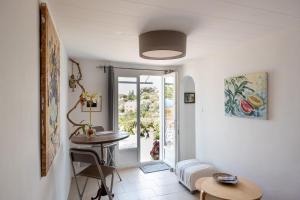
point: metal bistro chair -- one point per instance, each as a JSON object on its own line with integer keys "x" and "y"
{"x": 109, "y": 149}
{"x": 94, "y": 170}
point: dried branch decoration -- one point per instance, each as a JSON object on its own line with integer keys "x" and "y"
{"x": 80, "y": 126}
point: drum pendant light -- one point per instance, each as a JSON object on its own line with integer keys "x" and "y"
{"x": 162, "y": 45}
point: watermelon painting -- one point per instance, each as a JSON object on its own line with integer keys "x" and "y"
{"x": 246, "y": 96}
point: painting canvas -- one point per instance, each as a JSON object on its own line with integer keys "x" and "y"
{"x": 246, "y": 96}
{"x": 49, "y": 86}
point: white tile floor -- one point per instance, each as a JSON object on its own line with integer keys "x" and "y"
{"x": 139, "y": 186}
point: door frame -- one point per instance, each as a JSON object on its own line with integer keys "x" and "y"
{"x": 136, "y": 74}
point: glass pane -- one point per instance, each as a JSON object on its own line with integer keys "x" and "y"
{"x": 150, "y": 90}
{"x": 127, "y": 111}
{"x": 169, "y": 112}
{"x": 127, "y": 79}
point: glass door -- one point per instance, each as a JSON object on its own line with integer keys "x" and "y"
{"x": 169, "y": 119}
{"x": 147, "y": 111}
{"x": 128, "y": 118}
{"x": 150, "y": 117}
{"x": 139, "y": 114}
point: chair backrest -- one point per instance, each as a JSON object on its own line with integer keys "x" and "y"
{"x": 88, "y": 156}
{"x": 98, "y": 128}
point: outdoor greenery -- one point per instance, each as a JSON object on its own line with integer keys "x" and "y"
{"x": 169, "y": 91}
{"x": 149, "y": 111}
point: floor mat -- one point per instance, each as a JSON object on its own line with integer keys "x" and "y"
{"x": 154, "y": 167}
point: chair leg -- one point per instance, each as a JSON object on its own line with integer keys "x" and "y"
{"x": 112, "y": 182}
{"x": 78, "y": 190}
{"x": 80, "y": 195}
{"x": 118, "y": 175}
{"x": 113, "y": 162}
{"x": 84, "y": 187}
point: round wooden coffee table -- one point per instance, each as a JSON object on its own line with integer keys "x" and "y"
{"x": 244, "y": 190}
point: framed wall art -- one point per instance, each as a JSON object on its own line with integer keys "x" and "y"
{"x": 49, "y": 90}
{"x": 246, "y": 96}
{"x": 189, "y": 97}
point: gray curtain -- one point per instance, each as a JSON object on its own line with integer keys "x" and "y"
{"x": 110, "y": 102}
{"x": 110, "y": 96}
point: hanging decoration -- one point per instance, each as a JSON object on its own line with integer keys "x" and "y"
{"x": 72, "y": 80}
{"x": 81, "y": 127}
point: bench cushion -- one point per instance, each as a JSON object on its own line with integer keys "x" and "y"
{"x": 188, "y": 171}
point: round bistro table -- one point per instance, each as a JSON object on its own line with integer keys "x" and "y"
{"x": 243, "y": 190}
{"x": 100, "y": 138}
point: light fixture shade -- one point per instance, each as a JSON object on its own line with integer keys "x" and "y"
{"x": 162, "y": 45}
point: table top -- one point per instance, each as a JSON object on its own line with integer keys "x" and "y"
{"x": 100, "y": 138}
{"x": 244, "y": 190}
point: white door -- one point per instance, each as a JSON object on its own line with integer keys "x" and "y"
{"x": 128, "y": 119}
{"x": 129, "y": 115}
{"x": 150, "y": 117}
{"x": 169, "y": 139}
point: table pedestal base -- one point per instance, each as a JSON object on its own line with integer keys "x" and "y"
{"x": 100, "y": 193}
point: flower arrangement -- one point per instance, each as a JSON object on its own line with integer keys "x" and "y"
{"x": 155, "y": 150}
{"x": 87, "y": 98}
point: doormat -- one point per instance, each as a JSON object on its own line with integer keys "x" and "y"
{"x": 154, "y": 167}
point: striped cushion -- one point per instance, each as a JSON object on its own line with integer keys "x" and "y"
{"x": 188, "y": 171}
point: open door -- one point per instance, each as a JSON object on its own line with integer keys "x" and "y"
{"x": 128, "y": 118}
{"x": 169, "y": 139}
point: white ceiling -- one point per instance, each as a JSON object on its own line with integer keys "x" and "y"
{"x": 109, "y": 29}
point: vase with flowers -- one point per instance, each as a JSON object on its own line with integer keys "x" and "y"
{"x": 89, "y": 100}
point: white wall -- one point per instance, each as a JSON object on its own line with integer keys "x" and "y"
{"x": 187, "y": 132}
{"x": 94, "y": 80}
{"x": 266, "y": 151}
{"x": 20, "y": 112}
